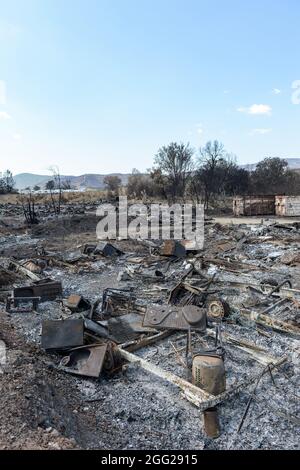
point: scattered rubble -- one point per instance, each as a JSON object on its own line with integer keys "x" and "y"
{"x": 163, "y": 347}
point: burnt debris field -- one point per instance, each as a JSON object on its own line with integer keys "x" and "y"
{"x": 130, "y": 344}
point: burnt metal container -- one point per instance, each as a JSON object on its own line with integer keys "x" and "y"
{"x": 44, "y": 289}
{"x": 208, "y": 373}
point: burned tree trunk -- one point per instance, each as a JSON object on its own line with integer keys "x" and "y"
{"x": 29, "y": 210}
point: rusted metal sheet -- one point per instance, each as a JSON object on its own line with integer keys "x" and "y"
{"x": 173, "y": 248}
{"x": 62, "y": 334}
{"x": 48, "y": 290}
{"x": 73, "y": 301}
{"x": 254, "y": 205}
{"x": 45, "y": 289}
{"x": 86, "y": 361}
{"x": 288, "y": 206}
{"x": 176, "y": 318}
{"x": 77, "y": 303}
{"x": 211, "y": 422}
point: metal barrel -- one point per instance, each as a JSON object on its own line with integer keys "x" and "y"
{"x": 208, "y": 373}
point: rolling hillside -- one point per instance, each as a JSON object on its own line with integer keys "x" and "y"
{"x": 96, "y": 181}
{"x": 92, "y": 181}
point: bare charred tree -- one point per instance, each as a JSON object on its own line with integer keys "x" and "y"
{"x": 28, "y": 205}
{"x": 58, "y": 186}
{"x": 55, "y": 187}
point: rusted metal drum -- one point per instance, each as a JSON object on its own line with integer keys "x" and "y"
{"x": 208, "y": 373}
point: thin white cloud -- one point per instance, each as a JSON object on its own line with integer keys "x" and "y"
{"x": 2, "y": 92}
{"x": 4, "y": 116}
{"x": 17, "y": 136}
{"x": 260, "y": 131}
{"x": 276, "y": 91}
{"x": 256, "y": 109}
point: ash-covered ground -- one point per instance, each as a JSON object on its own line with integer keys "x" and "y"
{"x": 44, "y": 407}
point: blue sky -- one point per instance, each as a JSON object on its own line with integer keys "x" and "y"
{"x": 99, "y": 86}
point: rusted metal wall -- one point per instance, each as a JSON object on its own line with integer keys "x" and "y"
{"x": 287, "y": 206}
{"x": 238, "y": 206}
{"x": 254, "y": 205}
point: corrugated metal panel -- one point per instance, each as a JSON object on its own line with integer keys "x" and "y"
{"x": 254, "y": 205}
{"x": 288, "y": 206}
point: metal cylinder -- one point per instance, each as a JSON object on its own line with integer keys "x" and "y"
{"x": 208, "y": 373}
{"x": 211, "y": 422}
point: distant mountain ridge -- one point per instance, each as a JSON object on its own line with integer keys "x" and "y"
{"x": 293, "y": 163}
{"x": 96, "y": 181}
{"x": 92, "y": 181}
